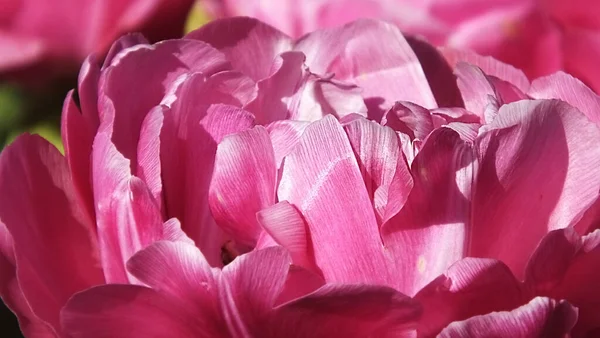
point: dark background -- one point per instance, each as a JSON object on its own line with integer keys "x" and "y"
{"x": 9, "y": 327}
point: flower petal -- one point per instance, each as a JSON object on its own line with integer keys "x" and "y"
{"x": 77, "y": 138}
{"x": 581, "y": 47}
{"x": 470, "y": 287}
{"x": 565, "y": 87}
{"x": 148, "y": 153}
{"x": 437, "y": 211}
{"x": 382, "y": 163}
{"x": 374, "y": 55}
{"x": 438, "y": 73}
{"x": 130, "y": 222}
{"x": 275, "y": 91}
{"x": 12, "y": 295}
{"x": 243, "y": 183}
{"x": 476, "y": 90}
{"x": 192, "y": 128}
{"x": 542, "y": 317}
{"x": 346, "y": 311}
{"x": 55, "y": 248}
{"x": 250, "y": 286}
{"x": 155, "y": 68}
{"x": 250, "y": 45}
{"x": 285, "y": 134}
{"x": 180, "y": 270}
{"x": 488, "y": 65}
{"x": 514, "y": 183}
{"x": 131, "y": 311}
{"x": 562, "y": 267}
{"x": 285, "y": 224}
{"x": 316, "y": 177}
{"x": 410, "y": 119}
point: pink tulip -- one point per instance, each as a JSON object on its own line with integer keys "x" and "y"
{"x": 238, "y": 182}
{"x": 539, "y": 37}
{"x": 48, "y": 38}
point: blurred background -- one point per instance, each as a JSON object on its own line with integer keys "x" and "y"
{"x": 43, "y": 43}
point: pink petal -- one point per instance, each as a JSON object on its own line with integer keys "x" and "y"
{"x": 346, "y": 311}
{"x": 506, "y": 91}
{"x": 285, "y": 134}
{"x": 382, "y": 163}
{"x": 567, "y": 88}
{"x": 12, "y": 295}
{"x": 109, "y": 169}
{"x": 470, "y": 287}
{"x": 581, "y": 47}
{"x": 375, "y": 56}
{"x": 454, "y": 114}
{"x": 590, "y": 220}
{"x": 300, "y": 282}
{"x": 514, "y": 183}
{"x": 243, "y": 183}
{"x": 131, "y": 311}
{"x": 488, "y": 65}
{"x": 584, "y": 13}
{"x": 249, "y": 288}
{"x": 278, "y": 88}
{"x": 172, "y": 232}
{"x": 437, "y": 211}
{"x": 317, "y": 177}
{"x": 250, "y": 45}
{"x": 87, "y": 91}
{"x": 410, "y": 119}
{"x": 286, "y": 226}
{"x": 180, "y": 270}
{"x": 438, "y": 72}
{"x": 542, "y": 317}
{"x": 19, "y": 51}
{"x": 148, "y": 153}
{"x": 189, "y": 139}
{"x": 130, "y": 222}
{"x": 155, "y": 68}
{"x": 476, "y": 90}
{"x": 231, "y": 87}
{"x": 77, "y": 138}
{"x": 54, "y": 247}
{"x": 563, "y": 267}
{"x": 334, "y": 97}
{"x": 519, "y": 35}
{"x": 124, "y": 42}
{"x": 291, "y": 91}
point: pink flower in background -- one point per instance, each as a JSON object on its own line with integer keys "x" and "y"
{"x": 353, "y": 182}
{"x": 53, "y": 37}
{"x": 539, "y": 37}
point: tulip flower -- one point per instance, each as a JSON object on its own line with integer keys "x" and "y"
{"x": 354, "y": 182}
{"x": 41, "y": 39}
{"x": 539, "y": 37}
